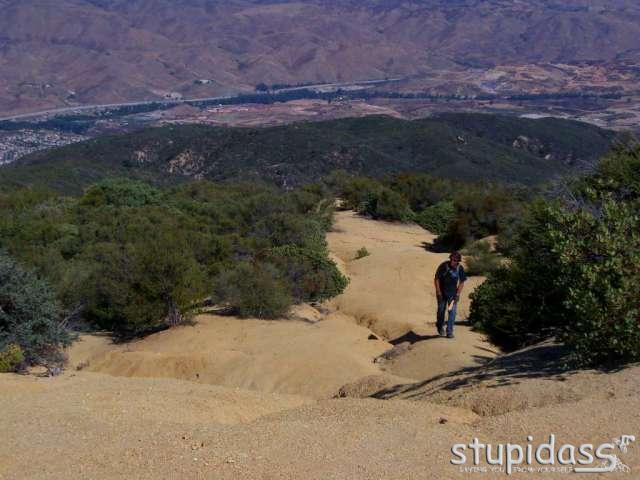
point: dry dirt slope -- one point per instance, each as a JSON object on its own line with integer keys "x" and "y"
{"x": 315, "y": 353}
{"x": 86, "y": 424}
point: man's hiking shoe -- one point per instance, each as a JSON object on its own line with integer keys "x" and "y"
{"x": 441, "y": 332}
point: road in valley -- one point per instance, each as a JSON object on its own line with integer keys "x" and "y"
{"x": 165, "y": 102}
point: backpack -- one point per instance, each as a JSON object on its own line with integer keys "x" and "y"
{"x": 448, "y": 269}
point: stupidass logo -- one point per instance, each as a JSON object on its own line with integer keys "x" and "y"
{"x": 548, "y": 456}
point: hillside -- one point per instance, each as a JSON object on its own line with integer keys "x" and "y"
{"x": 78, "y": 52}
{"x": 464, "y": 146}
{"x": 169, "y": 405}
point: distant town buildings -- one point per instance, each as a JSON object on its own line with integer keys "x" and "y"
{"x": 17, "y": 144}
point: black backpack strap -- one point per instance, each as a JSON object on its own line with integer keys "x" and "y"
{"x": 449, "y": 269}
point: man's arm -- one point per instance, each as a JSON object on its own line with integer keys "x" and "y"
{"x": 436, "y": 282}
{"x": 463, "y": 278}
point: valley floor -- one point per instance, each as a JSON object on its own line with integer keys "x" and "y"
{"x": 251, "y": 399}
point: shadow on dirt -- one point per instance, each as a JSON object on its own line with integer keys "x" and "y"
{"x": 546, "y": 360}
{"x": 412, "y": 338}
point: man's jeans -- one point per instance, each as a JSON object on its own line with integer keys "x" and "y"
{"x": 442, "y": 308}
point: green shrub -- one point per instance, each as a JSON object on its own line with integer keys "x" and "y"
{"x": 601, "y": 256}
{"x": 481, "y": 210}
{"x": 29, "y": 314}
{"x": 496, "y": 311}
{"x": 457, "y": 211}
{"x": 574, "y": 274}
{"x": 287, "y": 229}
{"x": 423, "y": 191}
{"x": 254, "y": 290}
{"x": 121, "y": 192}
{"x": 617, "y": 174}
{"x": 392, "y": 206}
{"x": 480, "y": 259}
{"x": 310, "y": 274}
{"x": 437, "y": 217}
{"x": 355, "y": 191}
{"x": 138, "y": 258}
{"x": 386, "y": 205}
{"x": 525, "y": 302}
{"x": 145, "y": 285}
{"x": 361, "y": 253}
{"x": 11, "y": 358}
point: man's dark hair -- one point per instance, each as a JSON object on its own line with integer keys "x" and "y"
{"x": 455, "y": 256}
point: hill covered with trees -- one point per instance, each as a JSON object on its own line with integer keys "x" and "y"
{"x": 463, "y": 146}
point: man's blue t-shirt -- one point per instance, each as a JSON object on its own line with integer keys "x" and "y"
{"x": 449, "y": 278}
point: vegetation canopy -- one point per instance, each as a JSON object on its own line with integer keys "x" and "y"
{"x": 575, "y": 270}
{"x": 135, "y": 258}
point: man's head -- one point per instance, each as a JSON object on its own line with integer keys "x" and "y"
{"x": 455, "y": 258}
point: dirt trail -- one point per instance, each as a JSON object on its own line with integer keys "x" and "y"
{"x": 392, "y": 289}
{"x": 437, "y": 392}
{"x": 390, "y": 295}
{"x": 286, "y": 356}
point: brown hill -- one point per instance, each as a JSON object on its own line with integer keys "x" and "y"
{"x": 91, "y": 51}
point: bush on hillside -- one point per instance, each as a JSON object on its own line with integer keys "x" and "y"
{"x": 436, "y": 218}
{"x": 496, "y": 311}
{"x": 355, "y": 192}
{"x": 121, "y": 192}
{"x": 386, "y": 205}
{"x": 254, "y": 290}
{"x": 285, "y": 229}
{"x": 311, "y": 275}
{"x": 11, "y": 358}
{"x": 601, "y": 258}
{"x": 575, "y": 274}
{"x": 136, "y": 259}
{"x": 457, "y": 211}
{"x": 480, "y": 211}
{"x": 30, "y": 324}
{"x": 480, "y": 259}
{"x": 144, "y": 286}
{"x": 617, "y": 175}
{"x": 423, "y": 191}
{"x": 525, "y": 301}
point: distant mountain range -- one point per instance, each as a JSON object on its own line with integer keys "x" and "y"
{"x": 464, "y": 146}
{"x": 71, "y": 52}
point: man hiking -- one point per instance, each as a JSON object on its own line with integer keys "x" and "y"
{"x": 449, "y": 281}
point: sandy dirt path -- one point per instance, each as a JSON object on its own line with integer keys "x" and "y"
{"x": 390, "y": 295}
{"x": 131, "y": 424}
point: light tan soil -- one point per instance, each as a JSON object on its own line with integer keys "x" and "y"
{"x": 250, "y": 399}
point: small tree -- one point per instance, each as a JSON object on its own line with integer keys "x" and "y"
{"x": 120, "y": 192}
{"x": 310, "y": 274}
{"x": 575, "y": 271}
{"x": 144, "y": 286}
{"x": 479, "y": 258}
{"x": 386, "y": 204}
{"x": 601, "y": 256}
{"x": 254, "y": 290}
{"x": 30, "y": 324}
{"x": 437, "y": 217}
